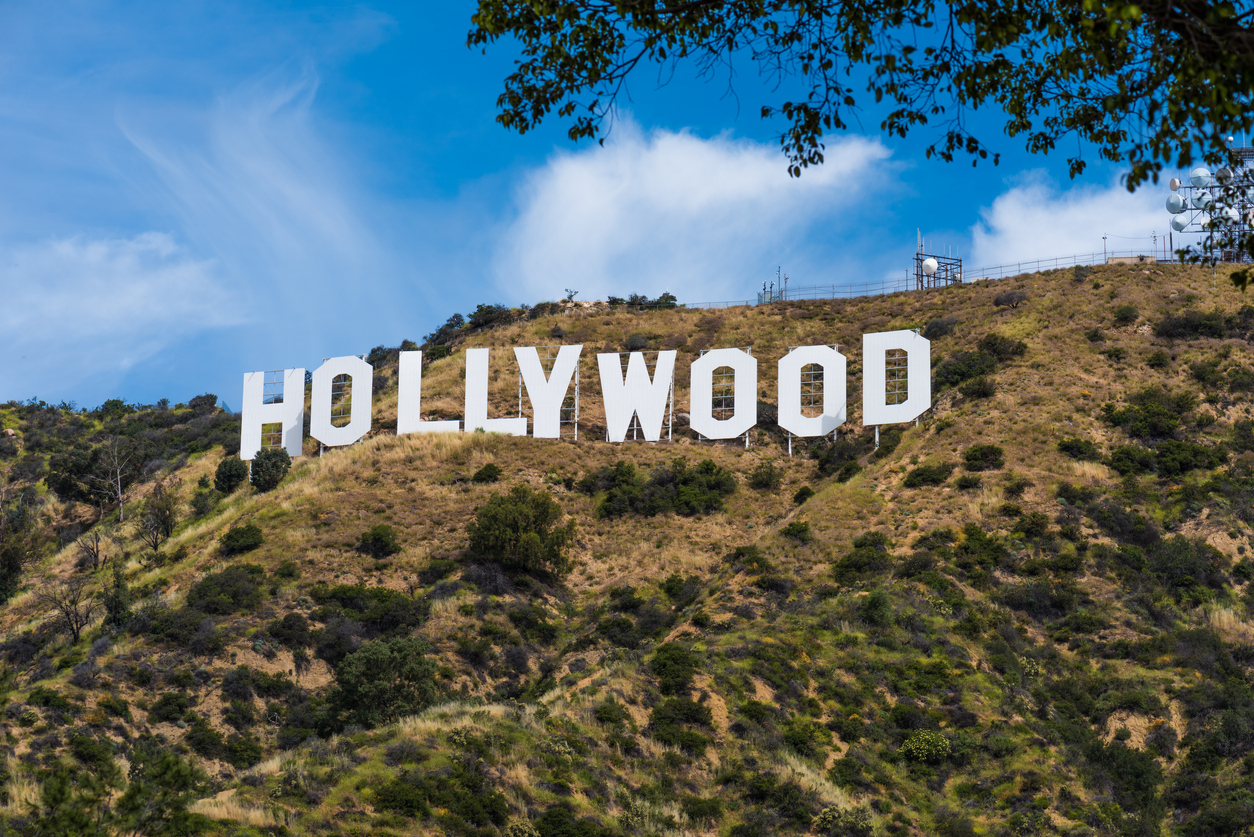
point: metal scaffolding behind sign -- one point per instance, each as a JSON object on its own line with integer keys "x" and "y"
{"x": 272, "y": 393}
{"x": 896, "y": 376}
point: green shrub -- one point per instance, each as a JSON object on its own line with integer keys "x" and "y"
{"x": 384, "y": 680}
{"x": 1158, "y": 360}
{"x": 976, "y": 388}
{"x": 380, "y": 610}
{"x": 291, "y": 631}
{"x": 1131, "y": 459}
{"x": 1001, "y": 347}
{"x": 766, "y": 477}
{"x": 240, "y": 539}
{"x": 835, "y": 455}
{"x": 379, "y": 541}
{"x": 926, "y": 746}
{"x": 228, "y": 591}
{"x": 488, "y": 473}
{"x": 1081, "y": 449}
{"x": 940, "y": 327}
{"x": 834, "y": 821}
{"x": 1126, "y": 315}
{"x": 169, "y": 707}
{"x": 928, "y": 475}
{"x": 963, "y": 367}
{"x": 1151, "y": 413}
{"x": 231, "y": 473}
{"x": 518, "y": 531}
{"x": 804, "y": 493}
{"x": 674, "y": 666}
{"x": 242, "y": 751}
{"x": 675, "y": 487}
{"x": 669, "y": 718}
{"x": 876, "y": 608}
{"x": 807, "y": 738}
{"x": 966, "y": 482}
{"x": 984, "y": 458}
{"x": 269, "y": 468}
{"x": 869, "y": 557}
{"x": 798, "y": 530}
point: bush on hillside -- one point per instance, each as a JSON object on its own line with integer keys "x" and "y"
{"x": 940, "y": 327}
{"x": 674, "y": 666}
{"x": 1002, "y": 347}
{"x": 1158, "y": 359}
{"x": 837, "y": 454}
{"x": 269, "y": 468}
{"x": 519, "y": 532}
{"x": 1126, "y": 315}
{"x": 1081, "y": 449}
{"x": 231, "y": 473}
{"x": 379, "y": 541}
{"x": 669, "y": 488}
{"x": 374, "y": 610}
{"x": 1151, "y": 413}
{"x": 984, "y": 458}
{"x": 928, "y": 475}
{"x": 963, "y": 367}
{"x": 868, "y": 558}
{"x": 766, "y": 477}
{"x": 1010, "y": 299}
{"x": 231, "y": 590}
{"x": 385, "y": 680}
{"x": 239, "y": 539}
{"x": 798, "y": 530}
{"x": 803, "y": 494}
{"x": 978, "y": 388}
{"x": 488, "y": 473}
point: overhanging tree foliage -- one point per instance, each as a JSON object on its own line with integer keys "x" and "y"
{"x": 1149, "y": 84}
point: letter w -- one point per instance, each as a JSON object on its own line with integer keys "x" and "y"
{"x": 635, "y": 395}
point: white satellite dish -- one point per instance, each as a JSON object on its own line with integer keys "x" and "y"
{"x": 1175, "y": 183}
{"x": 1204, "y": 220}
{"x": 1202, "y": 199}
{"x": 1179, "y": 223}
{"x": 1199, "y": 177}
{"x": 1249, "y": 194}
{"x": 1223, "y": 176}
{"x": 929, "y": 265}
{"x": 1229, "y": 215}
{"x": 1175, "y": 204}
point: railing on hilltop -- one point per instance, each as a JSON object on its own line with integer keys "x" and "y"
{"x": 1002, "y": 271}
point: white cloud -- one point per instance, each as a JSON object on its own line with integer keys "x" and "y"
{"x": 75, "y": 308}
{"x": 1035, "y": 220}
{"x": 705, "y": 218}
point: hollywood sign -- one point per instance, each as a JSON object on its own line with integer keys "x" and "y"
{"x": 626, "y": 395}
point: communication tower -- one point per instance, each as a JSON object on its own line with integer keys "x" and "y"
{"x": 935, "y": 271}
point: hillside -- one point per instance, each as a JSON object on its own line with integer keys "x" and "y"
{"x": 1028, "y": 614}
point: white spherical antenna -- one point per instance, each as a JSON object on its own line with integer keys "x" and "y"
{"x": 1175, "y": 204}
{"x": 1179, "y": 223}
{"x": 929, "y": 265}
{"x": 1224, "y": 175}
{"x": 1200, "y": 176}
{"x": 1202, "y": 199}
{"x": 1229, "y": 215}
{"x": 1204, "y": 219}
{"x": 1175, "y": 183}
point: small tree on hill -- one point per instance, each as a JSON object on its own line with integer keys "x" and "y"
{"x": 518, "y": 531}
{"x": 269, "y": 468}
{"x": 72, "y": 603}
{"x": 384, "y": 680}
{"x": 230, "y": 475}
{"x": 1010, "y": 299}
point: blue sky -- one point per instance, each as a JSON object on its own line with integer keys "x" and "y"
{"x": 192, "y": 191}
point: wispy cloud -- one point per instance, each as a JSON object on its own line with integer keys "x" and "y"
{"x": 75, "y": 309}
{"x": 1034, "y": 219}
{"x": 706, "y": 218}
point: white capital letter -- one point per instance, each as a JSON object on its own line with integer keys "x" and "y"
{"x": 288, "y": 409}
{"x": 701, "y": 393}
{"x": 875, "y": 406}
{"x": 832, "y": 363}
{"x": 409, "y": 400}
{"x": 636, "y": 395}
{"x": 477, "y": 399}
{"x": 547, "y": 394}
{"x": 320, "y": 426}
